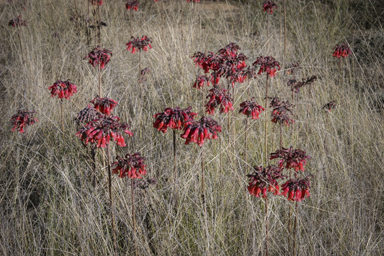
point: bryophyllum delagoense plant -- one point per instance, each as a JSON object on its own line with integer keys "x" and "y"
{"x": 22, "y": 119}
{"x": 173, "y": 118}
{"x": 99, "y": 57}
{"x": 201, "y": 81}
{"x": 296, "y": 189}
{"x": 87, "y": 115}
{"x": 17, "y": 22}
{"x": 251, "y": 108}
{"x": 219, "y": 96}
{"x": 63, "y": 89}
{"x": 197, "y": 131}
{"x": 264, "y": 180}
{"x": 131, "y": 166}
{"x": 268, "y": 6}
{"x": 132, "y": 5}
{"x": 268, "y": 65}
{"x": 137, "y": 44}
{"x": 342, "y": 50}
{"x": 281, "y": 111}
{"x": 291, "y": 158}
{"x": 104, "y": 105}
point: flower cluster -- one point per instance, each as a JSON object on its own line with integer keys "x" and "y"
{"x": 342, "y": 50}
{"x": 22, "y": 119}
{"x": 219, "y": 96}
{"x": 250, "y": 107}
{"x": 281, "y": 111}
{"x": 64, "y": 89}
{"x": 330, "y": 105}
{"x": 139, "y": 44}
{"x": 101, "y": 130}
{"x": 104, "y": 105}
{"x": 296, "y": 86}
{"x": 17, "y": 22}
{"x": 197, "y": 131}
{"x": 296, "y": 189}
{"x": 134, "y": 5}
{"x": 268, "y": 6}
{"x": 264, "y": 180}
{"x": 99, "y": 56}
{"x": 291, "y": 158}
{"x": 87, "y": 115}
{"x": 201, "y": 81}
{"x": 173, "y": 118}
{"x": 131, "y": 165}
{"x": 267, "y": 64}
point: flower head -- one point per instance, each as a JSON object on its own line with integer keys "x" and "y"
{"x": 99, "y": 56}
{"x": 139, "y": 44}
{"x": 250, "y": 107}
{"x": 201, "y": 81}
{"x": 22, "y": 119}
{"x": 131, "y": 165}
{"x": 104, "y": 105}
{"x": 268, "y": 6}
{"x": 296, "y": 189}
{"x": 342, "y": 50}
{"x": 87, "y": 115}
{"x": 281, "y": 111}
{"x": 100, "y": 131}
{"x": 291, "y": 158}
{"x": 64, "y": 89}
{"x": 197, "y": 131}
{"x": 132, "y": 5}
{"x": 173, "y": 118}
{"x": 330, "y": 105}
{"x": 219, "y": 96}
{"x": 267, "y": 64}
{"x": 264, "y": 180}
{"x": 96, "y": 2}
{"x": 17, "y": 22}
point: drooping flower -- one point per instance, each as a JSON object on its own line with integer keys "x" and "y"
{"x": 264, "y": 180}
{"x": 268, "y": 6}
{"x": 131, "y": 166}
{"x": 139, "y": 44}
{"x": 96, "y": 2}
{"x": 296, "y": 189}
{"x": 281, "y": 111}
{"x": 17, "y": 22}
{"x": 330, "y": 105}
{"x": 201, "y": 81}
{"x": 267, "y": 64}
{"x": 197, "y": 131}
{"x": 22, "y": 119}
{"x": 219, "y": 96}
{"x": 250, "y": 107}
{"x": 291, "y": 158}
{"x": 87, "y": 115}
{"x": 132, "y": 5}
{"x": 342, "y": 50}
{"x": 64, "y": 89}
{"x": 99, "y": 56}
{"x": 100, "y": 131}
{"x": 104, "y": 105}
{"x": 173, "y": 118}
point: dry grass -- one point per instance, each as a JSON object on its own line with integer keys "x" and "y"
{"x": 48, "y": 205}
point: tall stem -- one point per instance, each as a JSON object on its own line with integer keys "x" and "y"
{"x": 99, "y": 25}
{"x": 141, "y": 89}
{"x": 111, "y": 199}
{"x": 281, "y": 135}
{"x": 100, "y": 95}
{"x": 203, "y": 178}
{"x": 174, "y": 157}
{"x": 133, "y": 215}
{"x": 294, "y": 232}
{"x": 340, "y": 74}
{"x": 61, "y": 115}
{"x": 266, "y": 227}
{"x": 93, "y": 155}
{"x": 266, "y": 122}
{"x": 246, "y": 145}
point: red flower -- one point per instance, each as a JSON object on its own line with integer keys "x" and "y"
{"x": 99, "y": 56}
{"x": 101, "y": 130}
{"x": 219, "y": 96}
{"x": 197, "y": 131}
{"x": 296, "y": 190}
{"x": 268, "y": 6}
{"x": 342, "y": 50}
{"x": 104, "y": 105}
{"x": 200, "y": 81}
{"x": 139, "y": 44}
{"x": 264, "y": 180}
{"x": 268, "y": 65}
{"x": 63, "y": 89}
{"x": 134, "y": 5}
{"x": 17, "y": 22}
{"x": 281, "y": 111}
{"x": 173, "y": 118}
{"x": 291, "y": 158}
{"x": 330, "y": 105}
{"x": 250, "y": 107}
{"x": 22, "y": 119}
{"x": 96, "y": 2}
{"x": 131, "y": 166}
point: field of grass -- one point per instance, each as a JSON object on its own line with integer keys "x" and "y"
{"x": 48, "y": 205}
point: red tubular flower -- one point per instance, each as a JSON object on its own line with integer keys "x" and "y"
{"x": 264, "y": 180}
{"x": 250, "y": 107}
{"x": 281, "y": 111}
{"x": 291, "y": 158}
{"x": 22, "y": 119}
{"x": 139, "y": 44}
{"x": 104, "y": 105}
{"x": 96, "y": 2}
{"x": 87, "y": 115}
{"x": 197, "y": 131}
{"x": 201, "y": 81}
{"x": 99, "y": 56}
{"x": 132, "y": 5}
{"x": 17, "y": 22}
{"x": 101, "y": 130}
{"x": 173, "y": 118}
{"x": 267, "y": 64}
{"x": 330, "y": 105}
{"x": 342, "y": 50}
{"x": 296, "y": 189}
{"x": 268, "y": 6}
{"x": 131, "y": 165}
{"x": 63, "y": 89}
{"x": 219, "y": 96}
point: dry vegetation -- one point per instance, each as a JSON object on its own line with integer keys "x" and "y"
{"x": 48, "y": 205}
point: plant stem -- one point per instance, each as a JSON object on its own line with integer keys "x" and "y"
{"x": 61, "y": 115}
{"x": 93, "y": 155}
{"x": 111, "y": 199}
{"x": 281, "y": 136}
{"x": 294, "y": 232}
{"x": 174, "y": 158}
{"x": 99, "y": 25}
{"x": 133, "y": 215}
{"x": 266, "y": 121}
{"x": 246, "y": 145}
{"x": 141, "y": 89}
{"x": 203, "y": 178}
{"x": 99, "y": 81}
{"x": 266, "y": 227}
{"x": 340, "y": 75}
{"x": 285, "y": 30}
